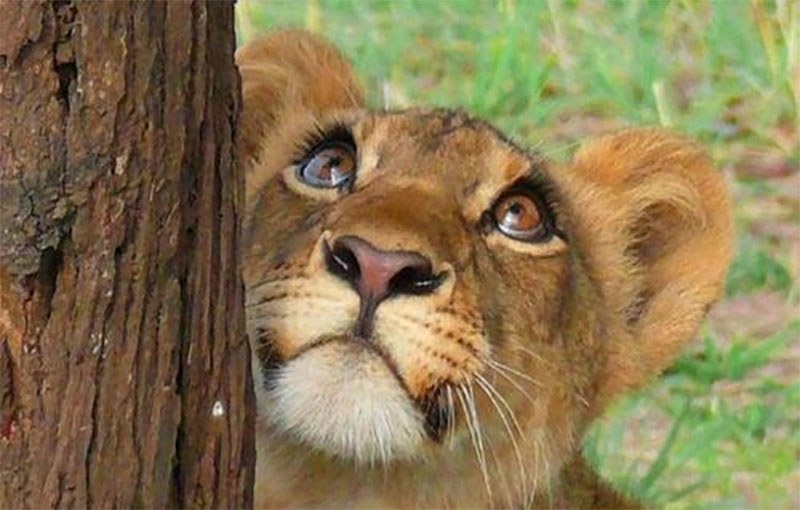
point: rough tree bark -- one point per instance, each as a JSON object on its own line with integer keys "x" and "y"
{"x": 124, "y": 369}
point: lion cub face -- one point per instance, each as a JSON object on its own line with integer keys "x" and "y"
{"x": 403, "y": 268}
{"x": 423, "y": 292}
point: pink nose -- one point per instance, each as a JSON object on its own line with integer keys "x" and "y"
{"x": 377, "y": 274}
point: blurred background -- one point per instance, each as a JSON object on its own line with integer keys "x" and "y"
{"x": 721, "y": 429}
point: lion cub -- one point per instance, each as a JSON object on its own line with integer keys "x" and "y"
{"x": 437, "y": 314}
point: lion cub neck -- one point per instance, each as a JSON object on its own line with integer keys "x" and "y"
{"x": 289, "y": 477}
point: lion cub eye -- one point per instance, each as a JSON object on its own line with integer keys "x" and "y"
{"x": 331, "y": 165}
{"x": 521, "y": 217}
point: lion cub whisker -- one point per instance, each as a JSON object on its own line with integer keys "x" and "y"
{"x": 516, "y": 373}
{"x": 299, "y": 277}
{"x": 494, "y": 396}
{"x": 513, "y": 383}
{"x": 281, "y": 299}
{"x": 451, "y": 425}
{"x": 470, "y": 415}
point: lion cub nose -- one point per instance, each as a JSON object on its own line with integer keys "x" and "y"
{"x": 377, "y": 274}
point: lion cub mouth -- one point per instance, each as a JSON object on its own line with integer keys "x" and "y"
{"x": 345, "y": 397}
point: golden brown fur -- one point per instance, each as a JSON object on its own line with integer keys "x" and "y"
{"x": 537, "y": 336}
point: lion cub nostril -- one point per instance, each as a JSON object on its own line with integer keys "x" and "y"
{"x": 342, "y": 262}
{"x": 416, "y": 280}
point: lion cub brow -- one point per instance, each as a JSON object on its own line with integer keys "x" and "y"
{"x": 449, "y": 143}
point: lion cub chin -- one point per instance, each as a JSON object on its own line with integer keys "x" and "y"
{"x": 436, "y": 313}
{"x": 342, "y": 399}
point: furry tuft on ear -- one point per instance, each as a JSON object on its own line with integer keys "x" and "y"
{"x": 290, "y": 71}
{"x": 666, "y": 231}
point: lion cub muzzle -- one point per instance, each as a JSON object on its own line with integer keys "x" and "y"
{"x": 344, "y": 368}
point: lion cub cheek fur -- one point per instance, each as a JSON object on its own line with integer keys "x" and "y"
{"x": 649, "y": 240}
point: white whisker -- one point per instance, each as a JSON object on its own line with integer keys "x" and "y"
{"x": 452, "y": 424}
{"x": 279, "y": 280}
{"x": 535, "y": 355}
{"x": 504, "y": 402}
{"x": 462, "y": 397}
{"x": 490, "y": 392}
{"x": 513, "y": 383}
{"x": 514, "y": 371}
{"x": 478, "y": 432}
{"x": 501, "y": 474}
{"x": 270, "y": 300}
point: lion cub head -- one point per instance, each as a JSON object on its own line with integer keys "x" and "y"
{"x": 421, "y": 291}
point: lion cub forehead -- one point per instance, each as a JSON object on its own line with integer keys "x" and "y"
{"x": 467, "y": 152}
{"x": 437, "y": 131}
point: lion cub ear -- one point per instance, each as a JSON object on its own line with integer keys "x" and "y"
{"x": 657, "y": 220}
{"x": 290, "y": 72}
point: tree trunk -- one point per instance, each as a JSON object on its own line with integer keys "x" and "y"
{"x": 124, "y": 368}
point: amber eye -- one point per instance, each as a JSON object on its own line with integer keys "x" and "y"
{"x": 519, "y": 216}
{"x": 330, "y": 166}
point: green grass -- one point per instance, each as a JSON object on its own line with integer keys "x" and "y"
{"x": 721, "y": 429}
{"x": 724, "y": 431}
